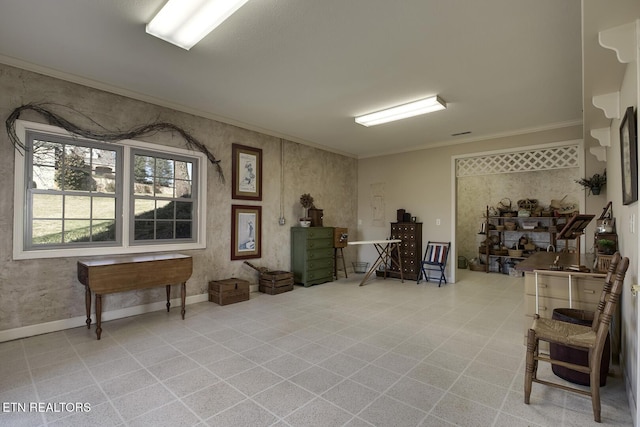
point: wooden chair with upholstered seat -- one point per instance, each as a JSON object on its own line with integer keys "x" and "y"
{"x": 588, "y": 338}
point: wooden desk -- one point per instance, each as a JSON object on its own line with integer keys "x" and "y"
{"x": 128, "y": 273}
{"x": 384, "y": 248}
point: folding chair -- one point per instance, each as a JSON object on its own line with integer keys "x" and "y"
{"x": 435, "y": 259}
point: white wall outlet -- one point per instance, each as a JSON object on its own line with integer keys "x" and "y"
{"x": 438, "y": 221}
{"x": 281, "y": 220}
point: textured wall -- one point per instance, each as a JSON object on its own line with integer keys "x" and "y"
{"x": 37, "y": 291}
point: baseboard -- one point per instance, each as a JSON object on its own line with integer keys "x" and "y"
{"x": 59, "y": 325}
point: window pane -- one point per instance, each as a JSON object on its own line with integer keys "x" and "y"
{"x": 164, "y": 209}
{"x": 43, "y": 178}
{"x": 184, "y": 210}
{"x": 144, "y": 208}
{"x": 143, "y": 169}
{"x": 183, "y": 188}
{"x": 45, "y": 153}
{"x": 104, "y": 207}
{"x": 77, "y": 230}
{"x": 164, "y": 170}
{"x": 77, "y": 207}
{"x": 104, "y": 231}
{"x": 164, "y": 230}
{"x": 104, "y": 167}
{"x": 164, "y": 187}
{"x": 46, "y": 232}
{"x": 47, "y": 206}
{"x": 183, "y": 229}
{"x": 184, "y": 170}
{"x": 143, "y": 230}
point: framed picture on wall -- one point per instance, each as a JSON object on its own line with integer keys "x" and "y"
{"x": 247, "y": 172}
{"x": 629, "y": 157}
{"x": 246, "y": 231}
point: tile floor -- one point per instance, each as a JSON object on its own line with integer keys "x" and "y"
{"x": 386, "y": 354}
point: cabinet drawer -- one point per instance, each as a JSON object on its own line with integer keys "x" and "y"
{"x": 558, "y": 287}
{"x": 320, "y": 233}
{"x": 319, "y": 243}
{"x": 324, "y": 263}
{"x": 320, "y": 253}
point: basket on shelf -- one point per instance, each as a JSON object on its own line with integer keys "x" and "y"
{"x": 528, "y": 204}
{"x": 515, "y": 253}
{"x": 510, "y": 226}
{"x": 504, "y": 207}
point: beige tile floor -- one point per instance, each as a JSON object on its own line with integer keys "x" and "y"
{"x": 386, "y": 354}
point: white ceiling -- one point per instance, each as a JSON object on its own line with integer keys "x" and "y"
{"x": 302, "y": 69}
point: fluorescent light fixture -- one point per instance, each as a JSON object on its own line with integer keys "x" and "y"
{"x": 185, "y": 22}
{"x": 399, "y": 112}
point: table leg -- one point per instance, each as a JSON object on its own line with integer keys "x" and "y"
{"x": 375, "y": 265}
{"x": 388, "y": 253}
{"x": 98, "y": 315}
{"x": 399, "y": 263}
{"x": 183, "y": 297}
{"x": 87, "y": 302}
{"x": 344, "y": 265}
{"x": 168, "y": 297}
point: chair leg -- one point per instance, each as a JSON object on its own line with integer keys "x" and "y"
{"x": 443, "y": 278}
{"x": 594, "y": 380}
{"x": 530, "y": 366}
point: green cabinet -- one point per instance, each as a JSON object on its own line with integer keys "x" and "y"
{"x": 312, "y": 255}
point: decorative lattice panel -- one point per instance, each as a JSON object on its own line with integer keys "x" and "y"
{"x": 521, "y": 161}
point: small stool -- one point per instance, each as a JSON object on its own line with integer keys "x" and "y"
{"x": 335, "y": 263}
{"x": 340, "y": 239}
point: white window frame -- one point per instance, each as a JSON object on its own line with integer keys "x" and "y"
{"x": 127, "y": 246}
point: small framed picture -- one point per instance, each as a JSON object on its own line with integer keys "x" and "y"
{"x": 247, "y": 172}
{"x": 246, "y": 231}
{"x": 629, "y": 157}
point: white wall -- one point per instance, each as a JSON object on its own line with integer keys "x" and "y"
{"x": 421, "y": 183}
{"x": 628, "y": 238}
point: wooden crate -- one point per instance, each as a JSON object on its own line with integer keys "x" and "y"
{"x": 275, "y": 282}
{"x": 228, "y": 291}
{"x": 276, "y": 278}
{"x": 274, "y": 291}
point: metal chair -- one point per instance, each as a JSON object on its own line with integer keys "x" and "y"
{"x": 587, "y": 338}
{"x": 435, "y": 259}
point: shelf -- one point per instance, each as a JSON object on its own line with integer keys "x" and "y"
{"x": 541, "y": 232}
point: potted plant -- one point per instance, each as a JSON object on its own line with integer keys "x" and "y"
{"x": 307, "y": 202}
{"x": 595, "y": 183}
{"x": 606, "y": 246}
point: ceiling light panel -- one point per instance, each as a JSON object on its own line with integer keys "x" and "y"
{"x": 422, "y": 106}
{"x": 185, "y": 22}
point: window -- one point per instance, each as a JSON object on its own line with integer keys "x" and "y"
{"x": 73, "y": 192}
{"x": 162, "y": 197}
{"x": 76, "y": 197}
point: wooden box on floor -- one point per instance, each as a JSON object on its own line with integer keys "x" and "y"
{"x": 275, "y": 282}
{"x": 228, "y": 291}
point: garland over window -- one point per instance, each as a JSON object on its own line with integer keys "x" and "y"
{"x": 104, "y": 135}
